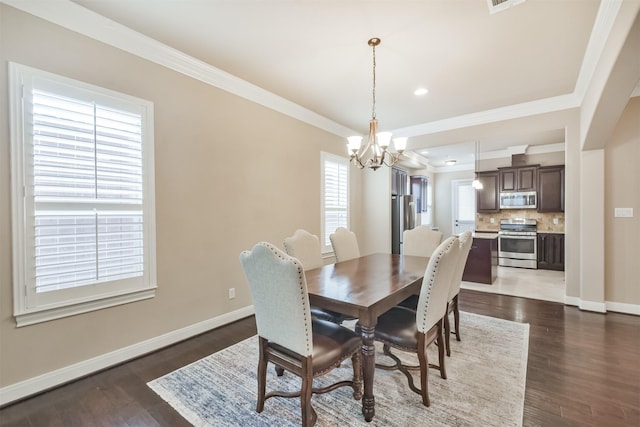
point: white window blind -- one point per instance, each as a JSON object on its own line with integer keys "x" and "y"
{"x": 335, "y": 181}
{"x": 84, "y": 158}
{"x": 87, "y": 161}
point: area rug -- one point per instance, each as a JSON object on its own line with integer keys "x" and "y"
{"x": 485, "y": 386}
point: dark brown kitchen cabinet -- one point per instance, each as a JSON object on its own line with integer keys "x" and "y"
{"x": 399, "y": 181}
{"x": 419, "y": 190}
{"x": 551, "y": 251}
{"x": 487, "y": 199}
{"x": 551, "y": 189}
{"x": 482, "y": 261}
{"x": 518, "y": 179}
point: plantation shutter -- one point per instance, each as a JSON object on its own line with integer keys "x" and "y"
{"x": 335, "y": 196}
{"x": 87, "y": 192}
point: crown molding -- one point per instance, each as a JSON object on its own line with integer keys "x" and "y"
{"x": 541, "y": 106}
{"x": 81, "y": 20}
{"x": 88, "y": 23}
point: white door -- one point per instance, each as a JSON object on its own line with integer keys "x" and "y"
{"x": 464, "y": 206}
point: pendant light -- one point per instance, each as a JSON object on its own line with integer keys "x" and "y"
{"x": 375, "y": 152}
{"x": 476, "y": 182}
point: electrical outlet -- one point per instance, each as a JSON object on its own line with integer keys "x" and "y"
{"x": 232, "y": 293}
{"x": 492, "y": 220}
{"x": 555, "y": 221}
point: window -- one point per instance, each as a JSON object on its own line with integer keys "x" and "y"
{"x": 335, "y": 196}
{"x": 82, "y": 196}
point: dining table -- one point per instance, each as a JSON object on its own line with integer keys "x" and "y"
{"x": 365, "y": 288}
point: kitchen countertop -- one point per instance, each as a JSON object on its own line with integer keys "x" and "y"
{"x": 485, "y": 235}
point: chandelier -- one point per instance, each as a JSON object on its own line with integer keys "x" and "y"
{"x": 375, "y": 152}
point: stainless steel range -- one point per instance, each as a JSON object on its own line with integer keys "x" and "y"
{"x": 517, "y": 243}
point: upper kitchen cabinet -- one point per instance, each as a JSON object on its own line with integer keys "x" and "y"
{"x": 551, "y": 189}
{"x": 419, "y": 189}
{"x": 399, "y": 181}
{"x": 487, "y": 200}
{"x": 518, "y": 179}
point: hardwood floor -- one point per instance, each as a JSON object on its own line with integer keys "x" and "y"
{"x": 583, "y": 370}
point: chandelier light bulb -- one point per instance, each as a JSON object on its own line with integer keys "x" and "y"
{"x": 400, "y": 143}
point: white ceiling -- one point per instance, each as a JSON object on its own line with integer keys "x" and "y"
{"x": 315, "y": 54}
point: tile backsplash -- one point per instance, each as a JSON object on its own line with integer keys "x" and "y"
{"x": 545, "y": 220}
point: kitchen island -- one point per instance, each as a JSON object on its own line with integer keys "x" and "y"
{"x": 482, "y": 263}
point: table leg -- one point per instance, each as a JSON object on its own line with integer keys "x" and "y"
{"x": 368, "y": 368}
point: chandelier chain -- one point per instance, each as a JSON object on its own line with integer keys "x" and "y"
{"x": 373, "y": 109}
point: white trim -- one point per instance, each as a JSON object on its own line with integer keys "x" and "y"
{"x": 618, "y": 307}
{"x": 60, "y": 376}
{"x": 525, "y": 109}
{"x": 605, "y": 19}
{"x": 599, "y": 307}
{"x": 621, "y": 307}
{"x": 46, "y": 314}
{"x": 574, "y": 301}
{"x": 86, "y": 22}
{"x": 29, "y": 306}
{"x": 79, "y": 19}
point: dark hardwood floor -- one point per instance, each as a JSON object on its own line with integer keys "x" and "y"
{"x": 583, "y": 370}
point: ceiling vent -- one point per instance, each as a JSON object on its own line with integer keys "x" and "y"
{"x": 496, "y": 6}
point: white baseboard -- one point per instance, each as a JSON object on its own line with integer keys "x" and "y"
{"x": 598, "y": 307}
{"x": 621, "y": 307}
{"x": 618, "y": 307}
{"x": 60, "y": 376}
{"x": 575, "y": 301}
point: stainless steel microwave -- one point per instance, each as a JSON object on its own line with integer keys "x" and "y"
{"x": 518, "y": 200}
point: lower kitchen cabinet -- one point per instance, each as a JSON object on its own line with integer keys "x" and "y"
{"x": 482, "y": 262}
{"x": 551, "y": 251}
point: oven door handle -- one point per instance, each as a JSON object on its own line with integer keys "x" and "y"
{"x": 503, "y": 236}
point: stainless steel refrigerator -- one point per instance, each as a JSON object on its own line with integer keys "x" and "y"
{"x": 403, "y": 217}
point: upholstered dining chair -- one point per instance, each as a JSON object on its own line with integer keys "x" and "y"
{"x": 345, "y": 244}
{"x": 420, "y": 241}
{"x": 465, "y": 240}
{"x": 291, "y": 338}
{"x": 414, "y": 330}
{"x": 306, "y": 248}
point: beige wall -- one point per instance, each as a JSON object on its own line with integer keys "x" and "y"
{"x": 229, "y": 173}
{"x": 622, "y": 178}
{"x": 443, "y": 200}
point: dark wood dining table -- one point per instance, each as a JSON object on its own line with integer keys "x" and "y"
{"x": 365, "y": 288}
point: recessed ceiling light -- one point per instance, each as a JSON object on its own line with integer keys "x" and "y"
{"x": 421, "y": 91}
{"x": 450, "y": 162}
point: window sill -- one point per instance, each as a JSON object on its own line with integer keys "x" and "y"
{"x": 47, "y": 314}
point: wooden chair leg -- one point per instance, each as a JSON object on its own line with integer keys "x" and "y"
{"x": 424, "y": 369}
{"x": 447, "y": 331}
{"x": 443, "y": 372}
{"x": 262, "y": 375}
{"x": 456, "y": 317}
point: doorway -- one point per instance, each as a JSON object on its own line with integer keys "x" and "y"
{"x": 464, "y": 206}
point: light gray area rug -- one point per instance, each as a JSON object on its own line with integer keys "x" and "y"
{"x": 485, "y": 386}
